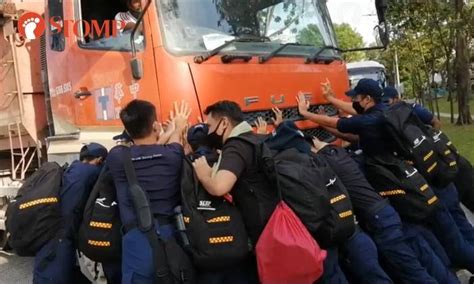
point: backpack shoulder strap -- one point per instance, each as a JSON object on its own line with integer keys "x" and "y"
{"x": 144, "y": 216}
{"x": 95, "y": 190}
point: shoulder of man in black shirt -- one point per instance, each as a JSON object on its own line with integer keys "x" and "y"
{"x": 237, "y": 155}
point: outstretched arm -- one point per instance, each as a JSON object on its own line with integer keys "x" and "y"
{"x": 323, "y": 120}
{"x": 328, "y": 93}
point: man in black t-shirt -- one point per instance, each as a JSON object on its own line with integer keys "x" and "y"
{"x": 236, "y": 172}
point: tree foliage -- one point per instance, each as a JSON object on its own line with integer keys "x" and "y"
{"x": 425, "y": 35}
{"x": 310, "y": 35}
{"x": 348, "y": 38}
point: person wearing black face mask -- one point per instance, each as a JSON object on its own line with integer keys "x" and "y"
{"x": 368, "y": 123}
{"x": 215, "y": 140}
{"x": 367, "y": 109}
{"x": 237, "y": 172}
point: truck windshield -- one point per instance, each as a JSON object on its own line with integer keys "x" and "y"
{"x": 197, "y": 26}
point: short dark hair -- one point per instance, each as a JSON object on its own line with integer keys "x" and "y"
{"x": 138, "y": 117}
{"x": 228, "y": 109}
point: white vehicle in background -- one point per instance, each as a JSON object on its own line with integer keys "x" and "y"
{"x": 366, "y": 69}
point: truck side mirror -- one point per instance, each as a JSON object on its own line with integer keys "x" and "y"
{"x": 382, "y": 28}
{"x": 136, "y": 63}
{"x": 384, "y": 36}
{"x": 137, "y": 68}
{"x": 381, "y": 6}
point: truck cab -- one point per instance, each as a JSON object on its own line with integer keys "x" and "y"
{"x": 264, "y": 62}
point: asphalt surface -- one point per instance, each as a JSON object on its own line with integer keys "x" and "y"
{"x": 14, "y": 269}
{"x": 19, "y": 270}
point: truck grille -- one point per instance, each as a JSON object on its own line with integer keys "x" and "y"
{"x": 288, "y": 113}
{"x": 319, "y": 133}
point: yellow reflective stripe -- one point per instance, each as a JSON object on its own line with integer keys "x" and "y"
{"x": 187, "y": 219}
{"x": 38, "y": 202}
{"x": 452, "y": 164}
{"x": 432, "y": 200}
{"x": 219, "y": 219}
{"x": 449, "y": 143}
{"x": 447, "y": 152}
{"x": 424, "y": 187}
{"x": 430, "y": 169}
{"x": 98, "y": 243}
{"x": 220, "y": 240}
{"x": 101, "y": 225}
{"x": 392, "y": 192}
{"x": 337, "y": 198}
{"x": 345, "y": 214}
{"x": 428, "y": 155}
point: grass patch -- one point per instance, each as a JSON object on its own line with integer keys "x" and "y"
{"x": 444, "y": 106}
{"x": 461, "y": 136}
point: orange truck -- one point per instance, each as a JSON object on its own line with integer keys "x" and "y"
{"x": 65, "y": 82}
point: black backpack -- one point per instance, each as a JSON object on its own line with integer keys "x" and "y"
{"x": 416, "y": 142}
{"x": 307, "y": 186}
{"x": 34, "y": 215}
{"x": 315, "y": 193}
{"x": 340, "y": 226}
{"x": 214, "y": 226}
{"x": 254, "y": 193}
{"x": 400, "y": 182}
{"x": 100, "y": 237}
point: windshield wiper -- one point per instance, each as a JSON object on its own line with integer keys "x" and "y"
{"x": 265, "y": 58}
{"x": 316, "y": 55}
{"x": 201, "y": 58}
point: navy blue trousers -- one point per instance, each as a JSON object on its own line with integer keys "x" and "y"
{"x": 55, "y": 263}
{"x": 460, "y": 252}
{"x": 137, "y": 259}
{"x": 450, "y": 198}
{"x": 430, "y": 253}
{"x": 385, "y": 227}
{"x": 361, "y": 260}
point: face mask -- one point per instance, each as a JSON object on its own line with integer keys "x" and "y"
{"x": 358, "y": 108}
{"x": 215, "y": 140}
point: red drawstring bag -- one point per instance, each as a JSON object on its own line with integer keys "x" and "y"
{"x": 286, "y": 251}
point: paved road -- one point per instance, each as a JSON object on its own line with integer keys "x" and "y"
{"x": 18, "y": 270}
{"x": 15, "y": 270}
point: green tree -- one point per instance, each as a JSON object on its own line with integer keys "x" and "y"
{"x": 430, "y": 38}
{"x": 310, "y": 35}
{"x": 348, "y": 38}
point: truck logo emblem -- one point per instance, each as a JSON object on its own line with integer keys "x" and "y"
{"x": 251, "y": 100}
{"x": 274, "y": 99}
{"x": 277, "y": 101}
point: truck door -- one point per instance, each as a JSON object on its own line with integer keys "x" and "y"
{"x": 97, "y": 73}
